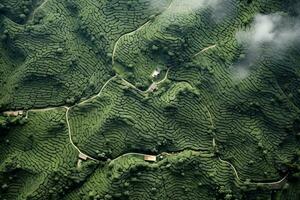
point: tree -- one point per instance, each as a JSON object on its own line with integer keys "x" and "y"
{"x": 70, "y": 101}
{"x": 3, "y": 123}
{"x": 71, "y": 5}
{"x": 59, "y": 50}
{"x": 2, "y": 8}
{"x": 228, "y": 197}
{"x": 107, "y": 196}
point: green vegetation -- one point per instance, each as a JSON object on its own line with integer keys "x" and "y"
{"x": 88, "y": 88}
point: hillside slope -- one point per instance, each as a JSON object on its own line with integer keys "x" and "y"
{"x": 89, "y": 89}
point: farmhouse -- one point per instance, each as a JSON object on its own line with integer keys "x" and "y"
{"x": 150, "y": 158}
{"x": 156, "y": 73}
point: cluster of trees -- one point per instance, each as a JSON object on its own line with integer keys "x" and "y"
{"x": 7, "y": 122}
{"x": 23, "y": 10}
{"x": 98, "y": 43}
{"x": 3, "y": 9}
{"x": 169, "y": 54}
{"x": 38, "y": 16}
{"x": 72, "y": 6}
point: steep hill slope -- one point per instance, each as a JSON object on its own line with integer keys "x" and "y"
{"x": 89, "y": 89}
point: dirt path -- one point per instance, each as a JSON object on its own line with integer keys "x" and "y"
{"x": 275, "y": 185}
{"x": 36, "y": 9}
{"x": 213, "y": 126}
{"x": 68, "y": 123}
{"x": 97, "y": 95}
{"x": 205, "y": 49}
{"x": 83, "y": 102}
{"x": 150, "y": 88}
{"x": 70, "y": 136}
{"x": 131, "y": 33}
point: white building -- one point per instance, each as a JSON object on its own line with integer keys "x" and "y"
{"x": 156, "y": 73}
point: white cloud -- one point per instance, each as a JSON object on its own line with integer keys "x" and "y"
{"x": 262, "y": 30}
{"x": 187, "y": 6}
{"x": 241, "y": 72}
{"x": 276, "y": 31}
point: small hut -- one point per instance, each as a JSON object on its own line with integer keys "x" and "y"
{"x": 149, "y": 158}
{"x": 14, "y": 113}
{"x": 82, "y": 156}
{"x": 156, "y": 72}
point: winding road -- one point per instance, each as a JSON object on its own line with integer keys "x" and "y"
{"x": 150, "y": 88}
{"x": 68, "y": 109}
{"x": 274, "y": 185}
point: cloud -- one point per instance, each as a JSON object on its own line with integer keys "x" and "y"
{"x": 226, "y": 9}
{"x": 263, "y": 29}
{"x": 187, "y": 6}
{"x": 276, "y": 31}
{"x": 220, "y": 9}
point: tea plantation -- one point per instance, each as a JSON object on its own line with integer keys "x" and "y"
{"x": 149, "y": 99}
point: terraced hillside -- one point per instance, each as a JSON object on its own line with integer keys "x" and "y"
{"x": 149, "y": 99}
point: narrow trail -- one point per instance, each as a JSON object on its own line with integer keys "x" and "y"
{"x": 81, "y": 103}
{"x": 133, "y": 32}
{"x": 232, "y": 166}
{"x": 67, "y": 117}
{"x": 151, "y": 87}
{"x": 276, "y": 184}
{"x": 70, "y": 136}
{"x": 205, "y": 49}
{"x": 41, "y": 110}
{"x": 213, "y": 126}
{"x": 36, "y": 9}
{"x": 125, "y": 155}
{"x": 174, "y": 153}
{"x": 97, "y": 95}
{"x": 126, "y": 34}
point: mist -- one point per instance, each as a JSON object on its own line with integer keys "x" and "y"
{"x": 187, "y": 6}
{"x": 275, "y": 32}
